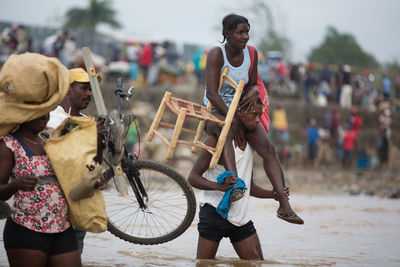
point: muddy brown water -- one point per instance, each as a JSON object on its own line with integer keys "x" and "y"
{"x": 339, "y": 230}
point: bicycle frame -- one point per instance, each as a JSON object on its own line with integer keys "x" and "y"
{"x": 132, "y": 174}
{"x": 157, "y": 220}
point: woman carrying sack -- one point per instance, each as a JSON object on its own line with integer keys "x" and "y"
{"x": 38, "y": 232}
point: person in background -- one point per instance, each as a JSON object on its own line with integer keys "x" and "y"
{"x": 132, "y": 137}
{"x": 132, "y": 54}
{"x": 397, "y": 93}
{"x": 383, "y": 148}
{"x": 324, "y": 156}
{"x": 198, "y": 70}
{"x": 38, "y": 232}
{"x": 349, "y": 141}
{"x": 234, "y": 54}
{"x": 312, "y": 142}
{"x": 280, "y": 125}
{"x": 67, "y": 53}
{"x": 335, "y": 125}
{"x": 309, "y": 82}
{"x": 237, "y": 225}
{"x": 339, "y": 83}
{"x": 145, "y": 61}
{"x": 78, "y": 98}
{"x": 355, "y": 120}
{"x": 386, "y": 88}
{"x": 16, "y": 40}
{"x": 347, "y": 89}
{"x": 385, "y": 121}
{"x": 324, "y": 87}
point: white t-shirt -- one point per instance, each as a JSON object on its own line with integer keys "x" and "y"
{"x": 238, "y": 214}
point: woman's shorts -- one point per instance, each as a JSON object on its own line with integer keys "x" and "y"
{"x": 16, "y": 236}
{"x": 213, "y": 227}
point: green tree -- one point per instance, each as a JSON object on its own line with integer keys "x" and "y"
{"x": 271, "y": 39}
{"x": 98, "y": 12}
{"x": 341, "y": 48}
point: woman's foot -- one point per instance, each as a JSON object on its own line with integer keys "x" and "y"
{"x": 236, "y": 194}
{"x": 289, "y": 216}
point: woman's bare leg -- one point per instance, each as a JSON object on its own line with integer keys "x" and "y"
{"x": 259, "y": 141}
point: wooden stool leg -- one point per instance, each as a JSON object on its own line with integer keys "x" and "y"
{"x": 157, "y": 118}
{"x": 199, "y": 132}
{"x": 176, "y": 132}
{"x": 225, "y": 129}
{"x": 200, "y": 129}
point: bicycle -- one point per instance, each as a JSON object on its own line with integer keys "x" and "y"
{"x": 146, "y": 202}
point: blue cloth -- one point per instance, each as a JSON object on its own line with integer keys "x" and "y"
{"x": 225, "y": 205}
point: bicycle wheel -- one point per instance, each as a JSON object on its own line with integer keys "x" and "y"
{"x": 170, "y": 210}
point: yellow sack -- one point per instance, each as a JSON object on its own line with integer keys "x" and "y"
{"x": 69, "y": 154}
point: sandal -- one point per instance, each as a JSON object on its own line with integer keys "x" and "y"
{"x": 290, "y": 216}
{"x": 236, "y": 194}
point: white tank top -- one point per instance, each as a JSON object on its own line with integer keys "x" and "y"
{"x": 238, "y": 213}
{"x": 236, "y": 73}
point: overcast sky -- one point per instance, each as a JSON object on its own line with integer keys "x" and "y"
{"x": 374, "y": 23}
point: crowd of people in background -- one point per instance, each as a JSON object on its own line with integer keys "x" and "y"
{"x": 334, "y": 90}
{"x": 148, "y": 63}
{"x": 330, "y": 139}
{"x": 329, "y": 87}
{"x": 15, "y": 40}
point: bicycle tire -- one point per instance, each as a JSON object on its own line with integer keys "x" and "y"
{"x": 171, "y": 206}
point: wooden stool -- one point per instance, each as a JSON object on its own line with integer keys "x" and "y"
{"x": 183, "y": 109}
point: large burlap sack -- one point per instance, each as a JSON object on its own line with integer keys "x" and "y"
{"x": 69, "y": 155}
{"x": 31, "y": 85}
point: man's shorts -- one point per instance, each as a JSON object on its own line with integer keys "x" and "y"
{"x": 213, "y": 227}
{"x": 312, "y": 152}
{"x": 16, "y": 236}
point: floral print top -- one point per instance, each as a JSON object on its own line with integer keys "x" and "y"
{"x": 44, "y": 209}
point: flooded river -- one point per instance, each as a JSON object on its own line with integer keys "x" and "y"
{"x": 338, "y": 231}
